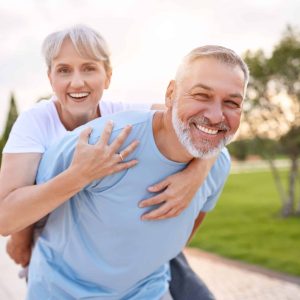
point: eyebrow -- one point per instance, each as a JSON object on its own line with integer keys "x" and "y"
{"x": 236, "y": 96}
{"x": 66, "y": 64}
{"x": 61, "y": 65}
{"x": 203, "y": 86}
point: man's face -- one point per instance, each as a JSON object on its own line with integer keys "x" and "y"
{"x": 207, "y": 105}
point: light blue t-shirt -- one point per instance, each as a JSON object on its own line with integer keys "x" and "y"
{"x": 95, "y": 245}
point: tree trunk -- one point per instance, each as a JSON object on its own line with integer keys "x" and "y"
{"x": 298, "y": 202}
{"x": 278, "y": 182}
{"x": 289, "y": 207}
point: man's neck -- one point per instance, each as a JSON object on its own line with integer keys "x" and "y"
{"x": 166, "y": 139}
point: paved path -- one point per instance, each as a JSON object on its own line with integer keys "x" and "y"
{"x": 231, "y": 280}
{"x": 227, "y": 280}
{"x": 11, "y": 287}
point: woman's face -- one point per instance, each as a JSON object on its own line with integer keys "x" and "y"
{"x": 78, "y": 82}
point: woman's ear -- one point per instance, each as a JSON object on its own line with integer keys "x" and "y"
{"x": 49, "y": 76}
{"x": 108, "y": 78}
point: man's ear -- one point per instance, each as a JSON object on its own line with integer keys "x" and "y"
{"x": 170, "y": 93}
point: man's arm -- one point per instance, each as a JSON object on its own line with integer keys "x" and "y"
{"x": 198, "y": 222}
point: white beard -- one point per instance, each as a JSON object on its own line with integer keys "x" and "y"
{"x": 183, "y": 134}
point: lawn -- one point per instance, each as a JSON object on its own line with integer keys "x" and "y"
{"x": 246, "y": 225}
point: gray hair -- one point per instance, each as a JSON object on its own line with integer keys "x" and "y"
{"x": 86, "y": 41}
{"x": 222, "y": 54}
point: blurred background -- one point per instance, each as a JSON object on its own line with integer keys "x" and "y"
{"x": 257, "y": 219}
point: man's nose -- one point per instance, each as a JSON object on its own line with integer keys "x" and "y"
{"x": 214, "y": 112}
{"x": 77, "y": 80}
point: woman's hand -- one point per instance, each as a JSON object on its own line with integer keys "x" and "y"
{"x": 100, "y": 160}
{"x": 22, "y": 203}
{"x": 177, "y": 190}
{"x": 19, "y": 246}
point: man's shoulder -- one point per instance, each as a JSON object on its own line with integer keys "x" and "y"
{"x": 222, "y": 165}
{"x": 120, "y": 120}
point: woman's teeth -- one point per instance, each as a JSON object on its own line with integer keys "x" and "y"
{"x": 78, "y": 95}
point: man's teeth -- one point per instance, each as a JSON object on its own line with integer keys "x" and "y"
{"x": 206, "y": 130}
{"x": 78, "y": 95}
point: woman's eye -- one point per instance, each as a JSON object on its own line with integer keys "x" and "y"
{"x": 89, "y": 69}
{"x": 63, "y": 70}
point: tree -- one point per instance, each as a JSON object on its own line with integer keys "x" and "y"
{"x": 273, "y": 108}
{"x": 11, "y": 118}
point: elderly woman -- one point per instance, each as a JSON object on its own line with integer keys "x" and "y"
{"x": 79, "y": 71}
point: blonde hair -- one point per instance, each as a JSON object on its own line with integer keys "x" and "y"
{"x": 86, "y": 41}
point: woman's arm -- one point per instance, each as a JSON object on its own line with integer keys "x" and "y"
{"x": 178, "y": 190}
{"x": 22, "y": 203}
{"x": 19, "y": 246}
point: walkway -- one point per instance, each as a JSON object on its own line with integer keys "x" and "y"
{"x": 228, "y": 280}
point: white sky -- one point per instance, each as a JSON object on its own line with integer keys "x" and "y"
{"x": 147, "y": 39}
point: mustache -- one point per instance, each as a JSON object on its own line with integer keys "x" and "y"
{"x": 203, "y": 121}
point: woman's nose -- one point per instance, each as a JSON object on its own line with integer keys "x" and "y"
{"x": 77, "y": 80}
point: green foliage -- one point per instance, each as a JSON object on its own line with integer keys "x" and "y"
{"x": 290, "y": 142}
{"x": 240, "y": 149}
{"x": 285, "y": 61}
{"x": 11, "y": 118}
{"x": 247, "y": 226}
{"x": 267, "y": 117}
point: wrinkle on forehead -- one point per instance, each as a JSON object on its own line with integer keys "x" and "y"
{"x": 212, "y": 75}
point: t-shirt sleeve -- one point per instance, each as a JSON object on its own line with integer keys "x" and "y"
{"x": 218, "y": 176}
{"x": 57, "y": 158}
{"x": 26, "y": 135}
{"x": 111, "y": 107}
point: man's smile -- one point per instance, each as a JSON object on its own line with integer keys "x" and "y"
{"x": 207, "y": 130}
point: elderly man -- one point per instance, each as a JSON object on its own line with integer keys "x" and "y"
{"x": 95, "y": 246}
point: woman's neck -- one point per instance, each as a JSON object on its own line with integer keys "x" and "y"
{"x": 71, "y": 121}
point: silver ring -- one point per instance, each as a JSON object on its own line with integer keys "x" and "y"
{"x": 121, "y": 156}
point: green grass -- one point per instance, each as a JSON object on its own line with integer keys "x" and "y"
{"x": 246, "y": 225}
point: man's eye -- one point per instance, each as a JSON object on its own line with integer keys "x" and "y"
{"x": 232, "y": 103}
{"x": 201, "y": 95}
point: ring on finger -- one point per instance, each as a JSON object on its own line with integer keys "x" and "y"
{"x": 121, "y": 156}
